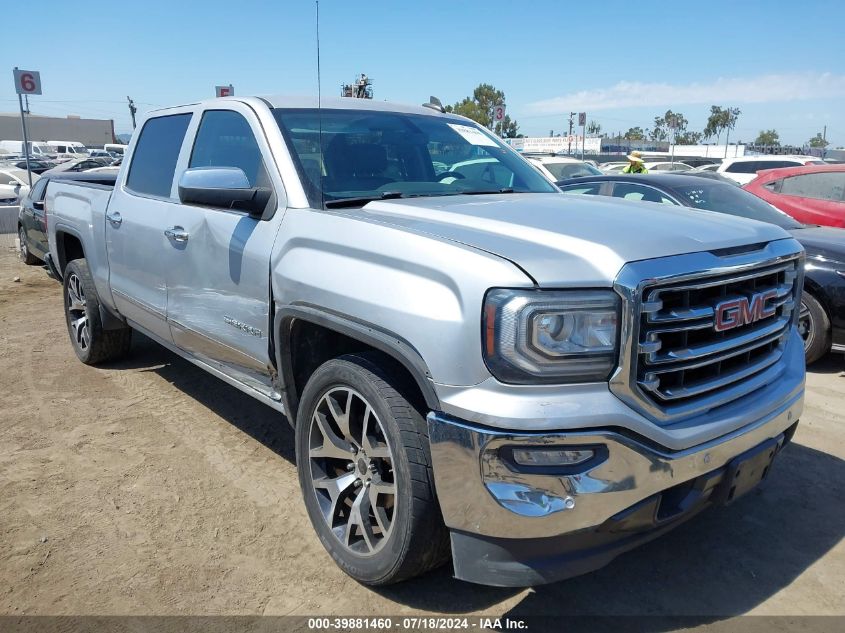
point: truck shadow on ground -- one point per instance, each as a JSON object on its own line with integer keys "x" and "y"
{"x": 829, "y": 364}
{"x": 242, "y": 411}
{"x": 722, "y": 563}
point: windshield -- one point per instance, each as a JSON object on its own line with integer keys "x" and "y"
{"x": 562, "y": 171}
{"x": 715, "y": 196}
{"x": 369, "y": 154}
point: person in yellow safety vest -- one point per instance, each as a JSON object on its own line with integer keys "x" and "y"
{"x": 635, "y": 165}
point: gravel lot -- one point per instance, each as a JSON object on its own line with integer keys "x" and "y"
{"x": 149, "y": 487}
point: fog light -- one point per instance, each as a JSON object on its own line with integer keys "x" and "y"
{"x": 551, "y": 456}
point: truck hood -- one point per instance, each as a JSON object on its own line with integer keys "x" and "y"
{"x": 569, "y": 240}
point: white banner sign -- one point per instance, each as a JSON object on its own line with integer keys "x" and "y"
{"x": 555, "y": 144}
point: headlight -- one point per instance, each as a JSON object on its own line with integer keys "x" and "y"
{"x": 533, "y": 336}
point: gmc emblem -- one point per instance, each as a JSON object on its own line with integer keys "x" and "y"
{"x": 742, "y": 311}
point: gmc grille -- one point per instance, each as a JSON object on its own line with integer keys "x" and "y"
{"x": 682, "y": 364}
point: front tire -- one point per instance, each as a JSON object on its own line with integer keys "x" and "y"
{"x": 814, "y": 327}
{"x": 90, "y": 341}
{"x": 365, "y": 472}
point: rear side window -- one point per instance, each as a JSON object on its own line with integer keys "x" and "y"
{"x": 821, "y": 186}
{"x": 224, "y": 139}
{"x": 154, "y": 160}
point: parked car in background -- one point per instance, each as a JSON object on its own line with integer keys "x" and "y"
{"x": 108, "y": 169}
{"x": 36, "y": 148}
{"x": 101, "y": 153}
{"x": 744, "y": 169}
{"x": 36, "y": 165}
{"x": 707, "y": 167}
{"x": 667, "y": 166}
{"x": 814, "y": 194}
{"x": 822, "y": 316}
{"x": 115, "y": 148}
{"x": 76, "y": 164}
{"x": 560, "y": 167}
{"x": 612, "y": 167}
{"x": 74, "y": 149}
{"x": 14, "y": 184}
{"x": 32, "y": 216}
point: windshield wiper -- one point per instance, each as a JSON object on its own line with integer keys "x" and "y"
{"x": 361, "y": 201}
{"x": 478, "y": 193}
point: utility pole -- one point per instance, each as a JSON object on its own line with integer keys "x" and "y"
{"x": 569, "y": 136}
{"x": 132, "y": 111}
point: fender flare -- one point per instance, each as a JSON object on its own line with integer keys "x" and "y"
{"x": 387, "y": 342}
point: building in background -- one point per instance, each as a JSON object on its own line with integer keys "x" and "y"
{"x": 89, "y": 132}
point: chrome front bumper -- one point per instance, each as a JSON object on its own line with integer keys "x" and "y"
{"x": 480, "y": 494}
{"x": 497, "y": 515}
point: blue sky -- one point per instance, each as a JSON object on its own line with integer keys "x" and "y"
{"x": 782, "y": 63}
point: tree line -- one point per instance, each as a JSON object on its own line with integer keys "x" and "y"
{"x": 671, "y": 126}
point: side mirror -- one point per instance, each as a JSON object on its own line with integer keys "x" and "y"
{"x": 222, "y": 187}
{"x": 38, "y": 205}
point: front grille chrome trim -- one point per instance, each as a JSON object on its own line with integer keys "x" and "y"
{"x": 726, "y": 344}
{"x": 654, "y": 329}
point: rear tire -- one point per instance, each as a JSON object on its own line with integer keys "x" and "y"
{"x": 90, "y": 341}
{"x": 23, "y": 250}
{"x": 814, "y": 327}
{"x": 364, "y": 467}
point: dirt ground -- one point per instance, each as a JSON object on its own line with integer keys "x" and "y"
{"x": 150, "y": 487}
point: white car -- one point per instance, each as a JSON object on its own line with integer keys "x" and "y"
{"x": 13, "y": 185}
{"x": 743, "y": 169}
{"x": 667, "y": 166}
{"x": 612, "y": 168}
{"x": 557, "y": 168}
{"x": 710, "y": 167}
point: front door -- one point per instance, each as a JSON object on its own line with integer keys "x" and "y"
{"x": 139, "y": 213}
{"x": 218, "y": 287}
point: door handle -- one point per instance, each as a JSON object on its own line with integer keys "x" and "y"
{"x": 177, "y": 234}
{"x": 114, "y": 218}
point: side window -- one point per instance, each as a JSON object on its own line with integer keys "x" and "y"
{"x": 820, "y": 186}
{"x": 744, "y": 167}
{"x": 154, "y": 161}
{"x": 586, "y": 188}
{"x": 631, "y": 191}
{"x": 224, "y": 139}
{"x": 38, "y": 190}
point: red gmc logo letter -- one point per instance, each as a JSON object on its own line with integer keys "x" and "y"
{"x": 736, "y": 312}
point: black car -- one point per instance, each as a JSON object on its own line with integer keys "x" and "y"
{"x": 32, "y": 217}
{"x": 822, "y": 317}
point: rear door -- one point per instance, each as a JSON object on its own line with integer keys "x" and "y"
{"x": 139, "y": 212}
{"x": 218, "y": 301}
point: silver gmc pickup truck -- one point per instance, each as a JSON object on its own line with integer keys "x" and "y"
{"x": 476, "y": 365}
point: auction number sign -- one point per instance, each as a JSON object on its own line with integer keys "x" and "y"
{"x": 224, "y": 91}
{"x": 499, "y": 113}
{"x": 27, "y": 82}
